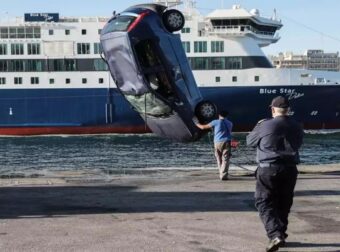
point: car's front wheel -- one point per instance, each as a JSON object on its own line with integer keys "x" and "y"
{"x": 206, "y": 111}
{"x": 173, "y": 20}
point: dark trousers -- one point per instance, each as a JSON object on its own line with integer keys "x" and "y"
{"x": 274, "y": 197}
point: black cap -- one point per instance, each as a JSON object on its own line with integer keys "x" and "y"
{"x": 280, "y": 102}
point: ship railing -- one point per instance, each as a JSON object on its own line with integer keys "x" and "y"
{"x": 238, "y": 29}
{"x": 83, "y": 19}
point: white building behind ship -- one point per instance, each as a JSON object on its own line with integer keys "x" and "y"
{"x": 312, "y": 60}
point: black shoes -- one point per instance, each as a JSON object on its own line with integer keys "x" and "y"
{"x": 224, "y": 176}
{"x": 274, "y": 244}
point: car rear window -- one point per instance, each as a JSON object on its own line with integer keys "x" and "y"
{"x": 120, "y": 23}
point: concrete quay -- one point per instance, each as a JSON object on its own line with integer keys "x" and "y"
{"x": 167, "y": 211}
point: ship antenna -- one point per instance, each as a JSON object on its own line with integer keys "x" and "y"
{"x": 189, "y": 4}
{"x": 274, "y": 15}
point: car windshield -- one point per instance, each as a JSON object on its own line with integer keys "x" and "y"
{"x": 149, "y": 104}
{"x": 119, "y": 23}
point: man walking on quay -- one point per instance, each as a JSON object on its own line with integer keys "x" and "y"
{"x": 277, "y": 140}
{"x": 222, "y": 140}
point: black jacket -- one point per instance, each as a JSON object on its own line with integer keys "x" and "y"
{"x": 277, "y": 140}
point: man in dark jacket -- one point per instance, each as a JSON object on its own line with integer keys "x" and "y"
{"x": 277, "y": 140}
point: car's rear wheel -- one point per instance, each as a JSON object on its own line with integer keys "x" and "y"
{"x": 173, "y": 20}
{"x": 206, "y": 111}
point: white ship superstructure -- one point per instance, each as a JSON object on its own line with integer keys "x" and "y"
{"x": 45, "y": 54}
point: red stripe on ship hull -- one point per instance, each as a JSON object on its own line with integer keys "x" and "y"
{"x": 31, "y": 131}
{"x": 78, "y": 130}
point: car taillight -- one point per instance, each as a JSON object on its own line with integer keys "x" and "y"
{"x": 138, "y": 19}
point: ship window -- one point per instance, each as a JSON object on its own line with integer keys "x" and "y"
{"x": 217, "y": 79}
{"x": 13, "y": 32}
{"x": 33, "y": 48}
{"x": 2, "y": 81}
{"x": 17, "y": 65}
{"x": 58, "y": 65}
{"x": 37, "y": 32}
{"x": 21, "y": 32}
{"x": 51, "y": 81}
{"x": 200, "y": 63}
{"x": 3, "y": 66}
{"x": 97, "y": 48}
{"x": 200, "y": 46}
{"x": 29, "y": 32}
{"x": 67, "y": 32}
{"x": 83, "y": 48}
{"x": 67, "y": 80}
{"x": 33, "y": 32}
{"x": 100, "y": 65}
{"x": 84, "y": 80}
{"x": 70, "y": 65}
{"x": 185, "y": 30}
{"x": 3, "y": 49}
{"x": 186, "y": 46}
{"x": 34, "y": 65}
{"x": 217, "y": 46}
{"x": 83, "y": 32}
{"x": 101, "y": 80}
{"x": 17, "y": 80}
{"x": 234, "y": 78}
{"x": 34, "y": 80}
{"x": 50, "y": 32}
{"x": 4, "y": 32}
{"x": 257, "y": 78}
{"x": 234, "y": 63}
{"x": 218, "y": 63}
{"x": 17, "y": 49}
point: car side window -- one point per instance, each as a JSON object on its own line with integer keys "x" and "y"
{"x": 153, "y": 68}
{"x": 119, "y": 23}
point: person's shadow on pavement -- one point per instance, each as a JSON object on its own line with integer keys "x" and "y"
{"x": 311, "y": 245}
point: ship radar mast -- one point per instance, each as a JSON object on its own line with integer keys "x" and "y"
{"x": 168, "y": 3}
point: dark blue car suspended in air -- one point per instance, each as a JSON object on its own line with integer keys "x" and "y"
{"x": 150, "y": 68}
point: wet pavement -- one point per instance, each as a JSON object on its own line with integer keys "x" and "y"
{"x": 169, "y": 211}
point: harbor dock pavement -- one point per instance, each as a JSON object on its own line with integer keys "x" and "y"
{"x": 162, "y": 211}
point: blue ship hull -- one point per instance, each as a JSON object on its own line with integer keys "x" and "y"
{"x": 91, "y": 111}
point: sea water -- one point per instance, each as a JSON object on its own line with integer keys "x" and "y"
{"x": 120, "y": 154}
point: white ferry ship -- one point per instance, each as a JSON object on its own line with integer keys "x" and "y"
{"x": 53, "y": 80}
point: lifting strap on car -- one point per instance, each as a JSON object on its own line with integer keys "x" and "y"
{"x": 145, "y": 118}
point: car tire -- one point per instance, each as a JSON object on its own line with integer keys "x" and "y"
{"x": 173, "y": 20}
{"x": 206, "y": 111}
